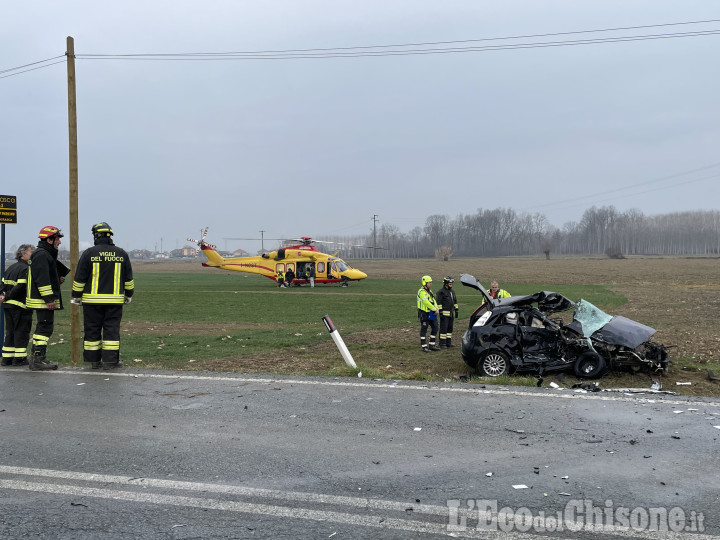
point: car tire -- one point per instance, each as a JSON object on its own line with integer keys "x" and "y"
{"x": 494, "y": 363}
{"x": 590, "y": 365}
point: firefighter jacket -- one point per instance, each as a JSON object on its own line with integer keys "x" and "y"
{"x": 14, "y": 284}
{"x": 448, "y": 302}
{"x": 426, "y": 300}
{"x": 44, "y": 272}
{"x": 104, "y": 274}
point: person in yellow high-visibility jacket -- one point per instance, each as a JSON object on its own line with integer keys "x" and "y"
{"x": 496, "y": 292}
{"x": 428, "y": 315}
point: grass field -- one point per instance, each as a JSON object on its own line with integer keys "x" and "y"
{"x": 188, "y": 317}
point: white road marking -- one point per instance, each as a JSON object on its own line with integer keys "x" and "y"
{"x": 359, "y": 503}
{"x": 228, "y": 506}
{"x": 394, "y": 384}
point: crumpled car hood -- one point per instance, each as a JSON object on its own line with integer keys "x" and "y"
{"x": 616, "y": 330}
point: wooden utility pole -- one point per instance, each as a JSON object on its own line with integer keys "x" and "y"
{"x": 75, "y": 335}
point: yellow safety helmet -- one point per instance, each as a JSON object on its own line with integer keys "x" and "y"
{"x": 426, "y": 280}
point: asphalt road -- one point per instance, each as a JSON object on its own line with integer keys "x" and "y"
{"x": 132, "y": 454}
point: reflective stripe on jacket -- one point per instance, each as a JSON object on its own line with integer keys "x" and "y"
{"x": 14, "y": 284}
{"x": 104, "y": 274}
{"x": 44, "y": 273}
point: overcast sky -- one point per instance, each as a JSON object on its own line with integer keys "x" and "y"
{"x": 318, "y": 146}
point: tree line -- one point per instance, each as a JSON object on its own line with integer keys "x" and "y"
{"x": 504, "y": 232}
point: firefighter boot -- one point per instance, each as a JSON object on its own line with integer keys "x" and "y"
{"x": 449, "y": 343}
{"x": 443, "y": 344}
{"x": 38, "y": 362}
{"x": 21, "y": 361}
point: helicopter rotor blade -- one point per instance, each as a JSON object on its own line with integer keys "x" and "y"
{"x": 200, "y": 243}
{"x": 306, "y": 240}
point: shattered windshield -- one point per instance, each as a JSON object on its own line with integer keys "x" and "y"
{"x": 591, "y": 318}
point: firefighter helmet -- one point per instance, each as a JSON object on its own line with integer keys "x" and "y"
{"x": 448, "y": 279}
{"x": 426, "y": 280}
{"x": 102, "y": 228}
{"x": 49, "y": 231}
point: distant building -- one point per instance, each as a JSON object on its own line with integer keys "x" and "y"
{"x": 183, "y": 252}
{"x": 140, "y": 254}
{"x": 189, "y": 251}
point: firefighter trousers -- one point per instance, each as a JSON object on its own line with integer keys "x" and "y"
{"x": 44, "y": 327}
{"x": 102, "y": 333}
{"x": 446, "y": 329}
{"x": 18, "y": 322}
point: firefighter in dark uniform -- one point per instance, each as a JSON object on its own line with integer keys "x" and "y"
{"x": 18, "y": 319}
{"x": 103, "y": 283}
{"x": 45, "y": 274}
{"x": 447, "y": 301}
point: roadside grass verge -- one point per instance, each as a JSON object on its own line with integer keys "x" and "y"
{"x": 185, "y": 321}
{"x": 222, "y": 321}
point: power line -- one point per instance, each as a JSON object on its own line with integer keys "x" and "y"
{"x": 631, "y": 190}
{"x": 405, "y": 49}
{"x": 15, "y": 69}
{"x": 397, "y": 45}
{"x": 658, "y": 188}
{"x": 32, "y": 64}
{"x": 630, "y": 187}
{"x": 402, "y": 49}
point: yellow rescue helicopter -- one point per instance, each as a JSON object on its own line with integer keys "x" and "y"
{"x": 300, "y": 256}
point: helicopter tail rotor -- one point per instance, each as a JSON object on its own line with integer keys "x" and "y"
{"x": 200, "y": 243}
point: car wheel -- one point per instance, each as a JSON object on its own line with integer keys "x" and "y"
{"x": 590, "y": 365}
{"x": 494, "y": 364}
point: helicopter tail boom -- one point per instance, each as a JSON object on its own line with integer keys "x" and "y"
{"x": 213, "y": 257}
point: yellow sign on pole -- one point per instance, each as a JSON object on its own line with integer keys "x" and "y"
{"x": 8, "y": 209}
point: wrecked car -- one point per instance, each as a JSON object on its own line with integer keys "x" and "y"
{"x": 519, "y": 334}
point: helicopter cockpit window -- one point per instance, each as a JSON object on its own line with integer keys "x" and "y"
{"x": 341, "y": 266}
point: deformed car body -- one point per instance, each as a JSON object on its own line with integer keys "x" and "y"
{"x": 519, "y": 334}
